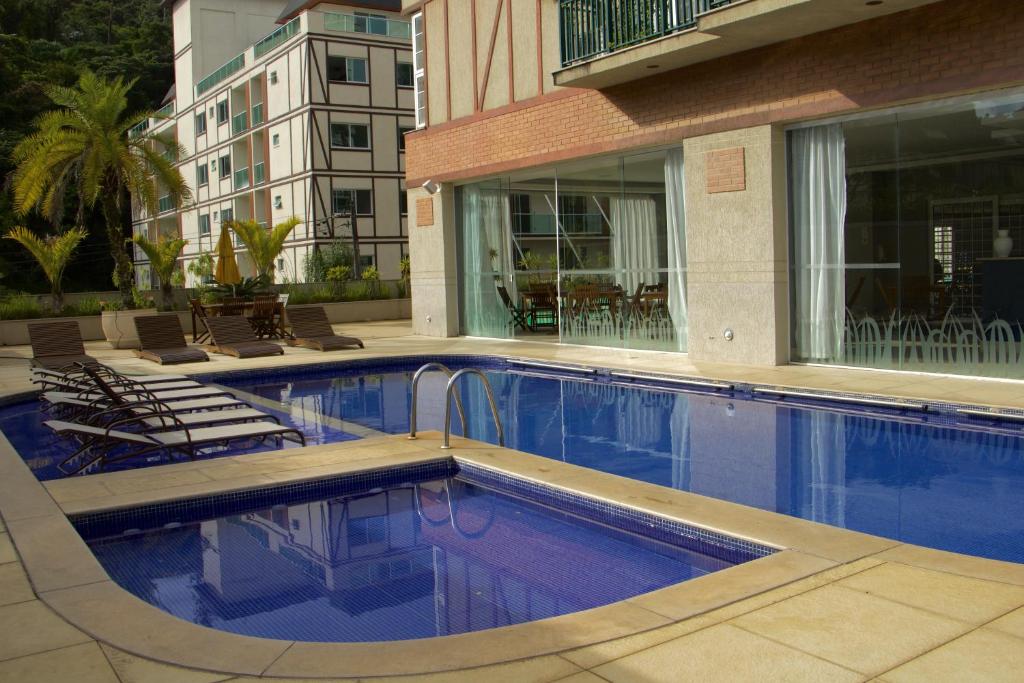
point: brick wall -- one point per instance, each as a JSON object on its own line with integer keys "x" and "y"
{"x": 726, "y": 170}
{"x": 940, "y": 49}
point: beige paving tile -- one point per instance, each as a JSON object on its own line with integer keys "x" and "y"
{"x": 31, "y": 627}
{"x": 964, "y": 565}
{"x": 14, "y": 585}
{"x": 983, "y": 655}
{"x": 53, "y": 553}
{"x": 132, "y": 669}
{"x": 121, "y": 620}
{"x": 1012, "y": 623}
{"x": 77, "y": 664}
{"x": 966, "y": 599}
{"x": 7, "y": 553}
{"x": 76, "y": 488}
{"x": 722, "y": 653}
{"x": 536, "y": 670}
{"x": 154, "y": 480}
{"x": 859, "y": 631}
{"x": 583, "y": 677}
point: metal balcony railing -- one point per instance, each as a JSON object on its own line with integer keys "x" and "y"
{"x": 139, "y": 129}
{"x": 239, "y": 123}
{"x": 241, "y": 178}
{"x": 358, "y": 23}
{"x": 166, "y": 111}
{"x": 588, "y": 28}
{"x": 257, "y": 113}
{"x": 258, "y": 174}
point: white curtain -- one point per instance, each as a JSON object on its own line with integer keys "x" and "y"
{"x": 818, "y": 159}
{"x": 485, "y": 252}
{"x": 635, "y": 241}
{"x": 675, "y": 213}
{"x": 826, "y": 452}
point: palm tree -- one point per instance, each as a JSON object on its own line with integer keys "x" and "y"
{"x": 264, "y": 245}
{"x": 52, "y": 253}
{"x": 163, "y": 258}
{"x": 88, "y": 144}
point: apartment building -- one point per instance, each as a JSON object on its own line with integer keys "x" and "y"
{"x": 754, "y": 181}
{"x": 289, "y": 109}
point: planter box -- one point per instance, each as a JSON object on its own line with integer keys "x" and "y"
{"x": 119, "y": 327}
{"x": 364, "y": 311}
{"x": 15, "y": 332}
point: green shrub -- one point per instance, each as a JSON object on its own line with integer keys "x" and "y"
{"x": 22, "y": 308}
{"x": 86, "y": 306}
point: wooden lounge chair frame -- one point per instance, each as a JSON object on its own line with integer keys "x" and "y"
{"x": 162, "y": 341}
{"x": 311, "y": 330}
{"x": 58, "y": 345}
{"x": 233, "y": 336}
{"x": 519, "y": 318}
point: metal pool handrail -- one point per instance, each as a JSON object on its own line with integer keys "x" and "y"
{"x": 448, "y": 406}
{"x": 435, "y": 367}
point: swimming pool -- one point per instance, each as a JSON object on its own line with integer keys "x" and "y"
{"x": 930, "y": 479}
{"x": 399, "y": 554}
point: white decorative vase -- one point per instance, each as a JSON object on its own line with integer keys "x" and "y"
{"x": 119, "y": 327}
{"x": 1002, "y": 245}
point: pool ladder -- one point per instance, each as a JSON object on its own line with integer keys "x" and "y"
{"x": 450, "y": 390}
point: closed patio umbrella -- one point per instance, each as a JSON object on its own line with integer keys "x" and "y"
{"x": 226, "y": 272}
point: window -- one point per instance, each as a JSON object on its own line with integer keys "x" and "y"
{"x": 278, "y": 202}
{"x": 276, "y": 139}
{"x": 341, "y": 201}
{"x": 402, "y": 130}
{"x": 346, "y": 69}
{"x": 212, "y": 112}
{"x": 350, "y": 135}
{"x": 273, "y": 78}
{"x": 419, "y": 61}
{"x": 376, "y": 24}
{"x": 403, "y": 202}
{"x": 213, "y": 165}
{"x": 202, "y": 174}
{"x": 227, "y": 214}
{"x": 519, "y": 205}
{"x": 222, "y": 112}
{"x": 200, "y": 123}
{"x": 225, "y": 166}
{"x": 403, "y": 74}
{"x": 204, "y": 225}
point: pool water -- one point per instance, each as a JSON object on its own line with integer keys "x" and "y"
{"x": 411, "y": 560}
{"x": 928, "y": 480}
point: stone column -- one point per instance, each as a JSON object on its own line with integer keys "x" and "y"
{"x": 737, "y": 246}
{"x": 433, "y": 261}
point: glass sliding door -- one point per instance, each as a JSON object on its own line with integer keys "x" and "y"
{"x": 898, "y": 252}
{"x": 591, "y": 252}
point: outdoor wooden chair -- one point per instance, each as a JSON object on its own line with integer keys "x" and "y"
{"x": 162, "y": 340}
{"x": 232, "y": 306}
{"x": 311, "y": 329}
{"x": 57, "y": 345}
{"x": 199, "y": 331}
{"x": 519, "y": 318}
{"x": 264, "y": 315}
{"x": 232, "y": 335}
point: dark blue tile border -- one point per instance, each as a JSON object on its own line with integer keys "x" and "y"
{"x": 100, "y": 525}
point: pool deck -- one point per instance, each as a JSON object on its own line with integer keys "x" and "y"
{"x": 832, "y": 605}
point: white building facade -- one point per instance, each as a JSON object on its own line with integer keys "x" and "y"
{"x": 289, "y": 109}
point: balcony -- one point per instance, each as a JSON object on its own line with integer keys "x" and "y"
{"x": 278, "y": 37}
{"x": 259, "y": 174}
{"x": 608, "y": 42}
{"x": 229, "y": 69}
{"x": 257, "y": 114}
{"x": 239, "y": 123}
{"x": 241, "y": 180}
{"x": 165, "y": 204}
{"x": 166, "y": 111}
{"x": 571, "y": 224}
{"x": 357, "y": 23}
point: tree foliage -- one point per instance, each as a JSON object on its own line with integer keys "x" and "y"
{"x": 52, "y": 254}
{"x": 86, "y": 145}
{"x": 264, "y": 245}
{"x": 49, "y": 42}
{"x": 163, "y": 259}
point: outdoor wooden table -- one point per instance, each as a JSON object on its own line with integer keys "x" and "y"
{"x": 212, "y": 310}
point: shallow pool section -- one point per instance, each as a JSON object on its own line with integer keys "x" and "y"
{"x": 396, "y": 555}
